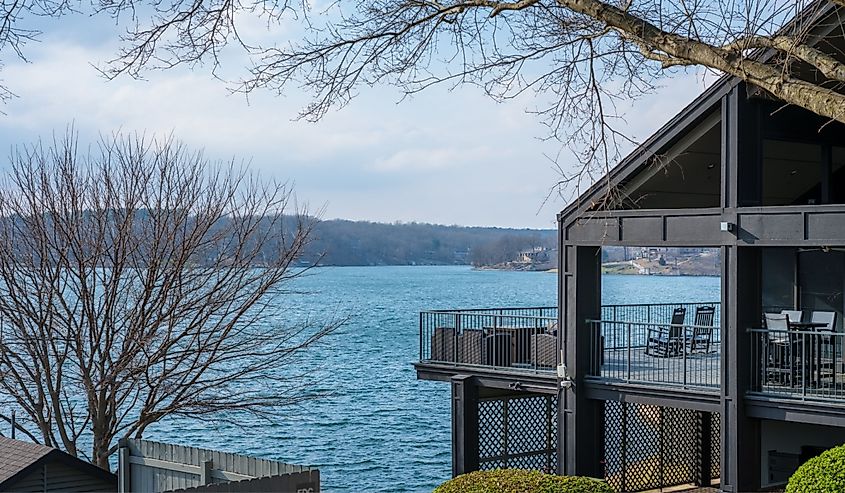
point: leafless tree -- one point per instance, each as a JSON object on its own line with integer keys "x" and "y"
{"x": 138, "y": 282}
{"x": 581, "y": 57}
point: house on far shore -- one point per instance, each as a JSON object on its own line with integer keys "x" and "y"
{"x": 36, "y": 468}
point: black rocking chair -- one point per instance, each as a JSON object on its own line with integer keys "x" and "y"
{"x": 668, "y": 341}
{"x": 702, "y": 332}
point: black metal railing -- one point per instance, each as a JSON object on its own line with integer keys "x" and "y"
{"x": 527, "y": 338}
{"x": 516, "y": 338}
{"x": 686, "y": 356}
{"x": 655, "y": 313}
{"x": 802, "y": 364}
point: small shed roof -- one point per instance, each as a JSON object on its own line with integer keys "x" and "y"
{"x": 18, "y": 458}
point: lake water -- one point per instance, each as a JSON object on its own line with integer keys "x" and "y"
{"x": 381, "y": 429}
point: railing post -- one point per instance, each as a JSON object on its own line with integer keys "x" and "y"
{"x": 422, "y": 352}
{"x": 496, "y": 357}
{"x": 455, "y": 337}
{"x": 803, "y": 366}
{"x": 684, "y": 353}
{"x": 628, "y": 347}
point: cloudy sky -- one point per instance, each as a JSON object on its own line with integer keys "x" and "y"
{"x": 448, "y": 157}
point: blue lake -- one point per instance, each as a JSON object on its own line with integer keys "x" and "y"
{"x": 380, "y": 429}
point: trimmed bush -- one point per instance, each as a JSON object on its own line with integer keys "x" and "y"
{"x": 822, "y": 474}
{"x": 521, "y": 481}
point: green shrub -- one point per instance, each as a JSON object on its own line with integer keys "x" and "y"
{"x": 822, "y": 474}
{"x": 521, "y": 481}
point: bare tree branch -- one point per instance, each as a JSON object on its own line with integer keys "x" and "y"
{"x": 141, "y": 283}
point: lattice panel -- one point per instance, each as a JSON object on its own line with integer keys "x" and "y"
{"x": 715, "y": 439}
{"x": 491, "y": 433}
{"x": 651, "y": 447}
{"x": 518, "y": 432}
{"x": 680, "y": 446}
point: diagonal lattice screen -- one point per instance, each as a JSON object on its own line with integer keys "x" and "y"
{"x": 518, "y": 432}
{"x": 650, "y": 447}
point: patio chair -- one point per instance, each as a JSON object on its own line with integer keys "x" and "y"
{"x": 794, "y": 315}
{"x": 702, "y": 333}
{"x": 543, "y": 350}
{"x": 471, "y": 346}
{"x": 827, "y": 318}
{"x": 443, "y": 344}
{"x": 780, "y": 350}
{"x": 497, "y": 350}
{"x": 828, "y": 357}
{"x": 668, "y": 341}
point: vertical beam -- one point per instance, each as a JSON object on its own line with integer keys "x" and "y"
{"x": 464, "y": 425}
{"x": 561, "y": 344}
{"x": 579, "y": 418}
{"x": 741, "y": 293}
{"x": 741, "y": 309}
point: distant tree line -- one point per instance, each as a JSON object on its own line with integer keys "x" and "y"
{"x": 343, "y": 242}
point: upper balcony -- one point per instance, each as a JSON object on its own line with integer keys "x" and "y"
{"x": 671, "y": 346}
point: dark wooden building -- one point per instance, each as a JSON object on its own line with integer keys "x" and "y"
{"x": 29, "y": 467}
{"x": 708, "y": 393}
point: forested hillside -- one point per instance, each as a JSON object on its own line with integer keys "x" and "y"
{"x": 342, "y": 242}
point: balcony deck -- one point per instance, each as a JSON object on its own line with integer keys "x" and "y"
{"x": 694, "y": 371}
{"x": 630, "y": 345}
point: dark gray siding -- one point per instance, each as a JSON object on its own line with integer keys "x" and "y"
{"x": 55, "y": 476}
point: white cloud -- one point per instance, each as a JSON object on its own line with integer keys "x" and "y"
{"x": 440, "y": 156}
{"x": 428, "y": 159}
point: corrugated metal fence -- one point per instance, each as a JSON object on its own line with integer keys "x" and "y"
{"x": 151, "y": 467}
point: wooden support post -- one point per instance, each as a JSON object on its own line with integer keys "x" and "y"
{"x": 741, "y": 309}
{"x": 464, "y": 425}
{"x": 580, "y": 422}
{"x": 741, "y": 294}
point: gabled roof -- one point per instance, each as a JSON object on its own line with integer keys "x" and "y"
{"x": 16, "y": 456}
{"x": 661, "y": 139}
{"x": 17, "y": 459}
{"x": 692, "y": 114}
